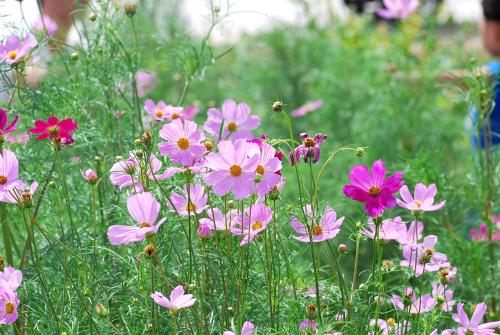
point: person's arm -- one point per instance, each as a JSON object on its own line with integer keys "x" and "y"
{"x": 491, "y": 28}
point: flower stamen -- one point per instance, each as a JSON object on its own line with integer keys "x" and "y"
{"x": 235, "y": 170}
{"x": 183, "y": 143}
{"x": 232, "y": 126}
{"x": 257, "y": 225}
{"x": 374, "y": 191}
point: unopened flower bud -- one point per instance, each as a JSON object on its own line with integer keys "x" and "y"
{"x": 230, "y": 203}
{"x": 130, "y": 9}
{"x": 2, "y": 263}
{"x": 378, "y": 220}
{"x": 90, "y": 176}
{"x": 360, "y": 152}
{"x": 311, "y": 311}
{"x": 440, "y": 299}
{"x": 75, "y": 55}
{"x": 204, "y": 232}
{"x": 277, "y": 106}
{"x": 387, "y": 264}
{"x": 137, "y": 142}
{"x": 147, "y": 139}
{"x": 98, "y": 159}
{"x": 342, "y": 248}
{"x": 391, "y": 322}
{"x": 92, "y": 17}
{"x": 101, "y": 310}
{"x": 274, "y": 194}
{"x": 150, "y": 250}
{"x": 27, "y": 198}
{"x": 191, "y": 286}
{"x": 209, "y": 145}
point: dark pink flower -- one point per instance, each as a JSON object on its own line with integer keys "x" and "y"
{"x": 482, "y": 234}
{"x": 5, "y": 128}
{"x": 309, "y": 149}
{"x": 372, "y": 188}
{"x": 54, "y": 129}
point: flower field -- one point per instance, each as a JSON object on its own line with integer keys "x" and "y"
{"x": 316, "y": 179}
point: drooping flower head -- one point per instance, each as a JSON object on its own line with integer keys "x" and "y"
{"x": 55, "y": 129}
{"x": 248, "y": 329}
{"x": 323, "y": 229}
{"x": 423, "y": 201}
{"x": 423, "y": 257}
{"x": 234, "y": 121}
{"x": 144, "y": 209}
{"x": 372, "y": 188}
{"x": 233, "y": 168}
{"x": 4, "y": 128}
{"x": 309, "y": 149}
{"x": 267, "y": 170}
{"x": 9, "y": 170}
{"x": 13, "y": 50}
{"x": 254, "y": 221}
{"x": 398, "y": 9}
{"x": 196, "y": 205}
{"x": 8, "y": 306}
{"x": 183, "y": 142}
{"x": 474, "y": 325}
{"x": 45, "y": 23}
{"x": 307, "y": 108}
{"x": 178, "y": 299}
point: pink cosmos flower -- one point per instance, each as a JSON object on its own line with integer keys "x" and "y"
{"x": 11, "y": 278}
{"x": 398, "y": 9}
{"x": 308, "y": 326}
{"x": 127, "y": 172}
{"x": 191, "y": 111}
{"x": 385, "y": 327}
{"x": 197, "y": 203}
{"x": 326, "y": 229}
{"x": 411, "y": 236}
{"x": 218, "y": 221}
{"x": 422, "y": 257}
{"x": 248, "y": 329}
{"x": 157, "y": 111}
{"x": 144, "y": 209}
{"x": 415, "y": 305}
{"x": 448, "y": 275}
{"x": 444, "y": 332}
{"x": 373, "y": 189}
{"x": 90, "y": 176}
{"x": 19, "y": 193}
{"x": 183, "y": 145}
{"x": 309, "y": 149}
{"x": 9, "y": 170}
{"x": 267, "y": 170}
{"x": 443, "y": 297}
{"x": 474, "y": 325}
{"x": 254, "y": 221}
{"x": 146, "y": 82}
{"x": 307, "y": 108}
{"x": 44, "y": 22}
{"x": 4, "y": 128}
{"x": 390, "y": 229}
{"x": 54, "y": 129}
{"x": 482, "y": 234}
{"x": 18, "y": 139}
{"x": 233, "y": 168}
{"x": 204, "y": 231}
{"x": 423, "y": 200}
{"x": 178, "y": 299}
{"x": 13, "y": 50}
{"x": 8, "y": 306}
{"x": 234, "y": 120}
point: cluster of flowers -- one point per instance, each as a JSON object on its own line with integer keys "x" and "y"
{"x": 10, "y": 280}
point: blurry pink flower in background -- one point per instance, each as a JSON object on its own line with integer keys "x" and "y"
{"x": 197, "y": 203}
{"x": 191, "y": 111}
{"x": 307, "y": 108}
{"x": 423, "y": 201}
{"x": 327, "y": 228}
{"x": 254, "y": 221}
{"x": 14, "y": 50}
{"x": 178, "y": 299}
{"x": 248, "y": 329}
{"x": 183, "y": 145}
{"x": 45, "y": 22}
{"x": 146, "y": 82}
{"x": 144, "y": 209}
{"x": 20, "y": 138}
{"x": 398, "y": 9}
{"x": 482, "y": 234}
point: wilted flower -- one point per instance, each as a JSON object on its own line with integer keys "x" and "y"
{"x": 447, "y": 275}
{"x": 248, "y": 329}
{"x": 309, "y": 149}
{"x": 178, "y": 299}
{"x": 144, "y": 209}
{"x": 184, "y": 142}
{"x": 372, "y": 188}
{"x": 254, "y": 221}
{"x": 423, "y": 200}
{"x": 13, "y": 50}
{"x": 44, "y": 22}
{"x": 307, "y": 108}
{"x": 398, "y": 9}
{"x": 326, "y": 229}
{"x": 55, "y": 129}
{"x": 197, "y": 200}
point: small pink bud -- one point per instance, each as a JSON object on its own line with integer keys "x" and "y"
{"x": 90, "y": 176}
{"x": 204, "y": 232}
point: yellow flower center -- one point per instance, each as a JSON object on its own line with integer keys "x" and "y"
{"x": 53, "y": 130}
{"x": 183, "y": 143}
{"x": 191, "y": 207}
{"x": 428, "y": 251}
{"x": 260, "y": 170}
{"x": 309, "y": 142}
{"x": 232, "y": 126}
{"x": 3, "y": 180}
{"x": 374, "y": 191}
{"x": 175, "y": 116}
{"x": 391, "y": 322}
{"x": 12, "y": 54}
{"x": 235, "y": 170}
{"x": 257, "y": 225}
{"x": 209, "y": 146}
{"x": 10, "y": 308}
{"x": 418, "y": 203}
{"x": 317, "y": 230}
{"x": 144, "y": 225}
{"x": 159, "y": 113}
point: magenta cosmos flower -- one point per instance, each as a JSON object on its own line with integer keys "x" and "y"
{"x": 233, "y": 168}
{"x": 423, "y": 257}
{"x": 11, "y": 278}
{"x": 8, "y": 306}
{"x": 411, "y": 303}
{"x": 254, "y": 221}
{"x": 248, "y": 329}
{"x": 327, "y": 228}
{"x": 54, "y": 129}
{"x": 398, "y": 9}
{"x": 45, "y": 23}
{"x": 144, "y": 209}
{"x": 9, "y": 170}
{"x": 372, "y": 188}
{"x": 5, "y": 128}
{"x": 474, "y": 326}
{"x": 183, "y": 145}
{"x": 234, "y": 120}
{"x": 13, "y": 50}
{"x": 308, "y": 326}
{"x": 423, "y": 201}
{"x": 197, "y": 203}
{"x": 267, "y": 170}
{"x": 443, "y": 297}
{"x": 309, "y": 149}
{"x": 390, "y": 229}
{"x": 219, "y": 221}
{"x": 482, "y": 234}
{"x": 178, "y": 299}
{"x": 307, "y": 108}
